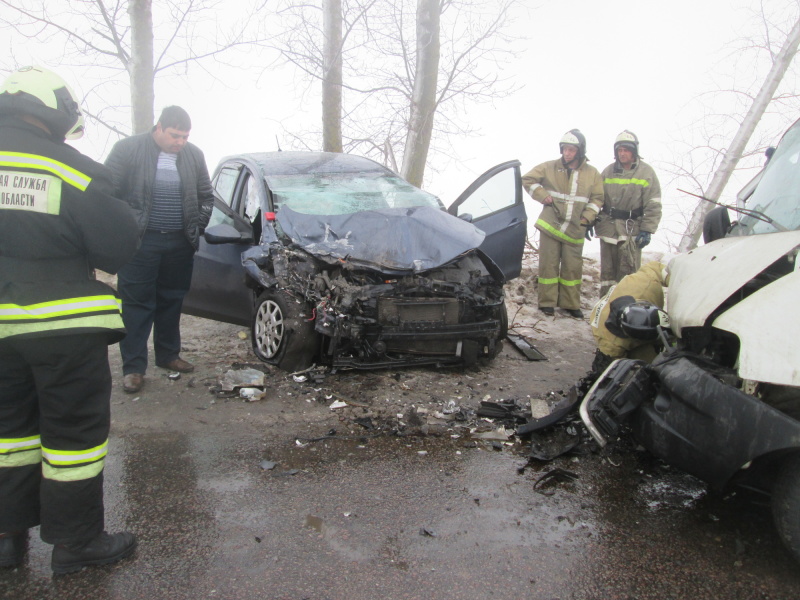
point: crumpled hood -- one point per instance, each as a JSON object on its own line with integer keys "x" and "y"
{"x": 415, "y": 239}
{"x": 701, "y": 280}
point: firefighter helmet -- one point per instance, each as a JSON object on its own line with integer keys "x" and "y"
{"x": 641, "y": 320}
{"x": 576, "y": 138}
{"x": 40, "y": 93}
{"x": 627, "y": 139}
{"x": 638, "y": 319}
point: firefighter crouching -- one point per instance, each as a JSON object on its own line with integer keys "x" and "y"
{"x": 58, "y": 222}
{"x": 621, "y": 322}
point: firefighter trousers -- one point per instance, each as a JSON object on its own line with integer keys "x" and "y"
{"x": 560, "y": 273}
{"x": 54, "y": 423}
{"x": 617, "y": 261}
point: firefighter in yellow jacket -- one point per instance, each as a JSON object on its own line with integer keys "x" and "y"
{"x": 631, "y": 211}
{"x": 645, "y": 286}
{"x": 572, "y": 194}
{"x": 58, "y": 222}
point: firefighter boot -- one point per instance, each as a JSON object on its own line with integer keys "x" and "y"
{"x": 105, "y": 549}
{"x": 12, "y": 548}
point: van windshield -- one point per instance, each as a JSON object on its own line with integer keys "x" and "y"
{"x": 778, "y": 193}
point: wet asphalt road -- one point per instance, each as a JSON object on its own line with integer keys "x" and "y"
{"x": 410, "y": 518}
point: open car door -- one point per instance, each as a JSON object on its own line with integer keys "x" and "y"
{"x": 493, "y": 203}
{"x": 217, "y": 290}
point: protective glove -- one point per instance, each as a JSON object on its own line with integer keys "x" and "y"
{"x": 642, "y": 239}
{"x": 589, "y": 232}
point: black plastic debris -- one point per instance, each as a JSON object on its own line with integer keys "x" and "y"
{"x": 552, "y": 443}
{"x": 525, "y": 347}
{"x": 506, "y": 410}
{"x": 566, "y": 406}
{"x": 546, "y": 483}
{"x": 365, "y": 422}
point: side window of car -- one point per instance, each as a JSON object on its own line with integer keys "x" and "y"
{"x": 492, "y": 195}
{"x": 225, "y": 183}
{"x": 251, "y": 201}
{"x": 217, "y": 217}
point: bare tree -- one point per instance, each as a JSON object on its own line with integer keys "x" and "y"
{"x": 408, "y": 66}
{"x": 423, "y": 96}
{"x": 109, "y": 37}
{"x": 140, "y": 65}
{"x": 332, "y": 76}
{"x": 727, "y": 130}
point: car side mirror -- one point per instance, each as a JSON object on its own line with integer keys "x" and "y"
{"x": 222, "y": 233}
{"x": 466, "y": 217}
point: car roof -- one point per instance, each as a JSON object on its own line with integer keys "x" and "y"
{"x": 301, "y": 163}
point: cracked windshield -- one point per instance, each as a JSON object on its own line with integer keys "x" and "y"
{"x": 345, "y": 193}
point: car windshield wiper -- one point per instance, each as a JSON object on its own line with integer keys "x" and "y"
{"x": 745, "y": 211}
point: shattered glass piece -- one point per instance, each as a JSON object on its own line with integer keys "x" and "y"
{"x": 450, "y": 407}
{"x": 268, "y": 465}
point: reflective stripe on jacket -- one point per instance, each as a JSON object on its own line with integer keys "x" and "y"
{"x": 58, "y": 223}
{"x": 576, "y": 195}
{"x": 636, "y": 189}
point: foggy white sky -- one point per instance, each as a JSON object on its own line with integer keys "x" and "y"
{"x": 599, "y": 65}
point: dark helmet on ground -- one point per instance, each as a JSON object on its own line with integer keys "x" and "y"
{"x": 627, "y": 139}
{"x": 576, "y": 138}
{"x": 637, "y": 319}
{"x": 40, "y": 93}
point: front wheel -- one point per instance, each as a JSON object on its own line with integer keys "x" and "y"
{"x": 282, "y": 331}
{"x": 786, "y": 505}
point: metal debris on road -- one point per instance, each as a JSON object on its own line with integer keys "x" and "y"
{"x": 241, "y": 378}
{"x": 549, "y": 479}
{"x": 426, "y": 532}
{"x": 525, "y": 347}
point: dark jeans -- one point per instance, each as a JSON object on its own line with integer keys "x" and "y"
{"x": 152, "y": 287}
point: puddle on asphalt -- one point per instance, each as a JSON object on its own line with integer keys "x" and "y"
{"x": 314, "y": 523}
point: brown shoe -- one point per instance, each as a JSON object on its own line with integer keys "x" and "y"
{"x": 179, "y": 365}
{"x": 132, "y": 382}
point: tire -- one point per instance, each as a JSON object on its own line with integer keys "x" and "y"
{"x": 786, "y": 505}
{"x": 282, "y": 332}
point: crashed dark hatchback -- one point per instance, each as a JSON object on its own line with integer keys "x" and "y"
{"x": 333, "y": 259}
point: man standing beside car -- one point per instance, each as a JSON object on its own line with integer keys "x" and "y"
{"x": 165, "y": 180}
{"x": 572, "y": 194}
{"x": 631, "y": 211}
